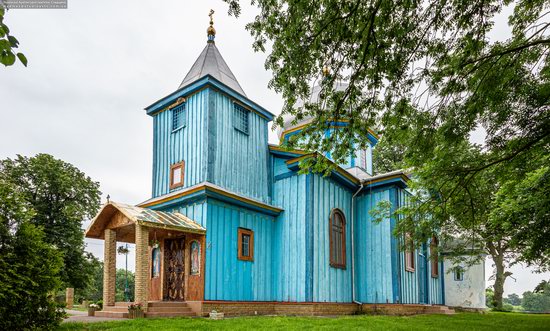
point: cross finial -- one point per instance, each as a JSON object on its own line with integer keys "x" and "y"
{"x": 211, "y": 32}
{"x": 210, "y": 14}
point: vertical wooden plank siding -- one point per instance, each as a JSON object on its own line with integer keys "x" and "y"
{"x": 227, "y": 277}
{"x": 329, "y": 284}
{"x": 187, "y": 143}
{"x": 196, "y": 211}
{"x": 239, "y": 160}
{"x": 435, "y": 295}
{"x": 373, "y": 255}
{"x": 409, "y": 282}
{"x": 289, "y": 253}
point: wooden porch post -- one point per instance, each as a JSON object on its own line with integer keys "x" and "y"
{"x": 109, "y": 268}
{"x": 142, "y": 266}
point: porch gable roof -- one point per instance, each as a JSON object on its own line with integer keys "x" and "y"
{"x": 142, "y": 216}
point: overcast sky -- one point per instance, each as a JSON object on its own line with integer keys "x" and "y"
{"x": 95, "y": 66}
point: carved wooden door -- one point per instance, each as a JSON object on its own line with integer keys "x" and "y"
{"x": 174, "y": 269}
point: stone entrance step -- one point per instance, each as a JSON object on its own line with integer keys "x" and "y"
{"x": 440, "y": 310}
{"x": 168, "y": 309}
{"x": 154, "y": 309}
{"x": 115, "y": 314}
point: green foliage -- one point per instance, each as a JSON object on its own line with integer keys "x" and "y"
{"x": 94, "y": 289}
{"x": 427, "y": 75}
{"x": 422, "y": 67}
{"x": 61, "y": 197}
{"x": 489, "y": 296}
{"x": 387, "y": 156}
{"x": 121, "y": 284}
{"x": 539, "y": 302}
{"x": 513, "y": 299}
{"x": 8, "y": 44}
{"x": 29, "y": 267}
{"x": 522, "y": 205}
{"x": 542, "y": 286}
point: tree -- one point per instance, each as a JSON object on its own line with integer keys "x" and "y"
{"x": 61, "y": 197}
{"x": 513, "y": 299}
{"x": 542, "y": 286}
{"x": 94, "y": 289}
{"x": 8, "y": 44}
{"x": 489, "y": 294}
{"x": 387, "y": 156}
{"x": 523, "y": 204}
{"x": 537, "y": 301}
{"x": 121, "y": 285}
{"x": 29, "y": 267}
{"x": 434, "y": 55}
{"x": 426, "y": 74}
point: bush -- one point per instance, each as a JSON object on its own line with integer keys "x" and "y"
{"x": 507, "y": 307}
{"x": 539, "y": 302}
{"x": 29, "y": 275}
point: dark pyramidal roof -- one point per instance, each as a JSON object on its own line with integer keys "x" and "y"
{"x": 210, "y": 62}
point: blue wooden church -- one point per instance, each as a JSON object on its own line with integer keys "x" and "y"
{"x": 232, "y": 225}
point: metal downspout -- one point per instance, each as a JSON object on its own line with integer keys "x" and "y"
{"x": 353, "y": 245}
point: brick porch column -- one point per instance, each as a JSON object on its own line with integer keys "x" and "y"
{"x": 142, "y": 266}
{"x": 109, "y": 268}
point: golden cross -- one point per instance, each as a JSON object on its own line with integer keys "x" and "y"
{"x": 211, "y": 13}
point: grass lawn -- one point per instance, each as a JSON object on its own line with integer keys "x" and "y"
{"x": 461, "y": 322}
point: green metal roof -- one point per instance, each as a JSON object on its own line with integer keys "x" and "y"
{"x": 143, "y": 216}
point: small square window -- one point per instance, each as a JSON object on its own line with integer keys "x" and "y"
{"x": 245, "y": 244}
{"x": 240, "y": 118}
{"x": 176, "y": 174}
{"x": 178, "y": 117}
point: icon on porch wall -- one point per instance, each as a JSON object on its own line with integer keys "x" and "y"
{"x": 156, "y": 262}
{"x": 195, "y": 258}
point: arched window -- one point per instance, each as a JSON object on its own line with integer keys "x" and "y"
{"x": 337, "y": 227}
{"x": 409, "y": 253}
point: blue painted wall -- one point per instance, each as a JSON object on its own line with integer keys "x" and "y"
{"x": 227, "y": 277}
{"x": 237, "y": 161}
{"x": 435, "y": 288}
{"x": 213, "y": 150}
{"x": 374, "y": 271}
{"x": 350, "y": 161}
{"x": 410, "y": 288}
{"x": 289, "y": 244}
{"x": 188, "y": 143}
{"x": 329, "y": 284}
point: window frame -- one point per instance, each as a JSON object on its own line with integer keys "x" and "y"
{"x": 410, "y": 264}
{"x": 434, "y": 258}
{"x": 238, "y": 110}
{"x": 240, "y": 233}
{"x": 175, "y": 166}
{"x": 180, "y": 107}
{"x": 458, "y": 271}
{"x": 342, "y": 250}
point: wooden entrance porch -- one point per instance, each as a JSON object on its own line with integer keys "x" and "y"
{"x": 170, "y": 253}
